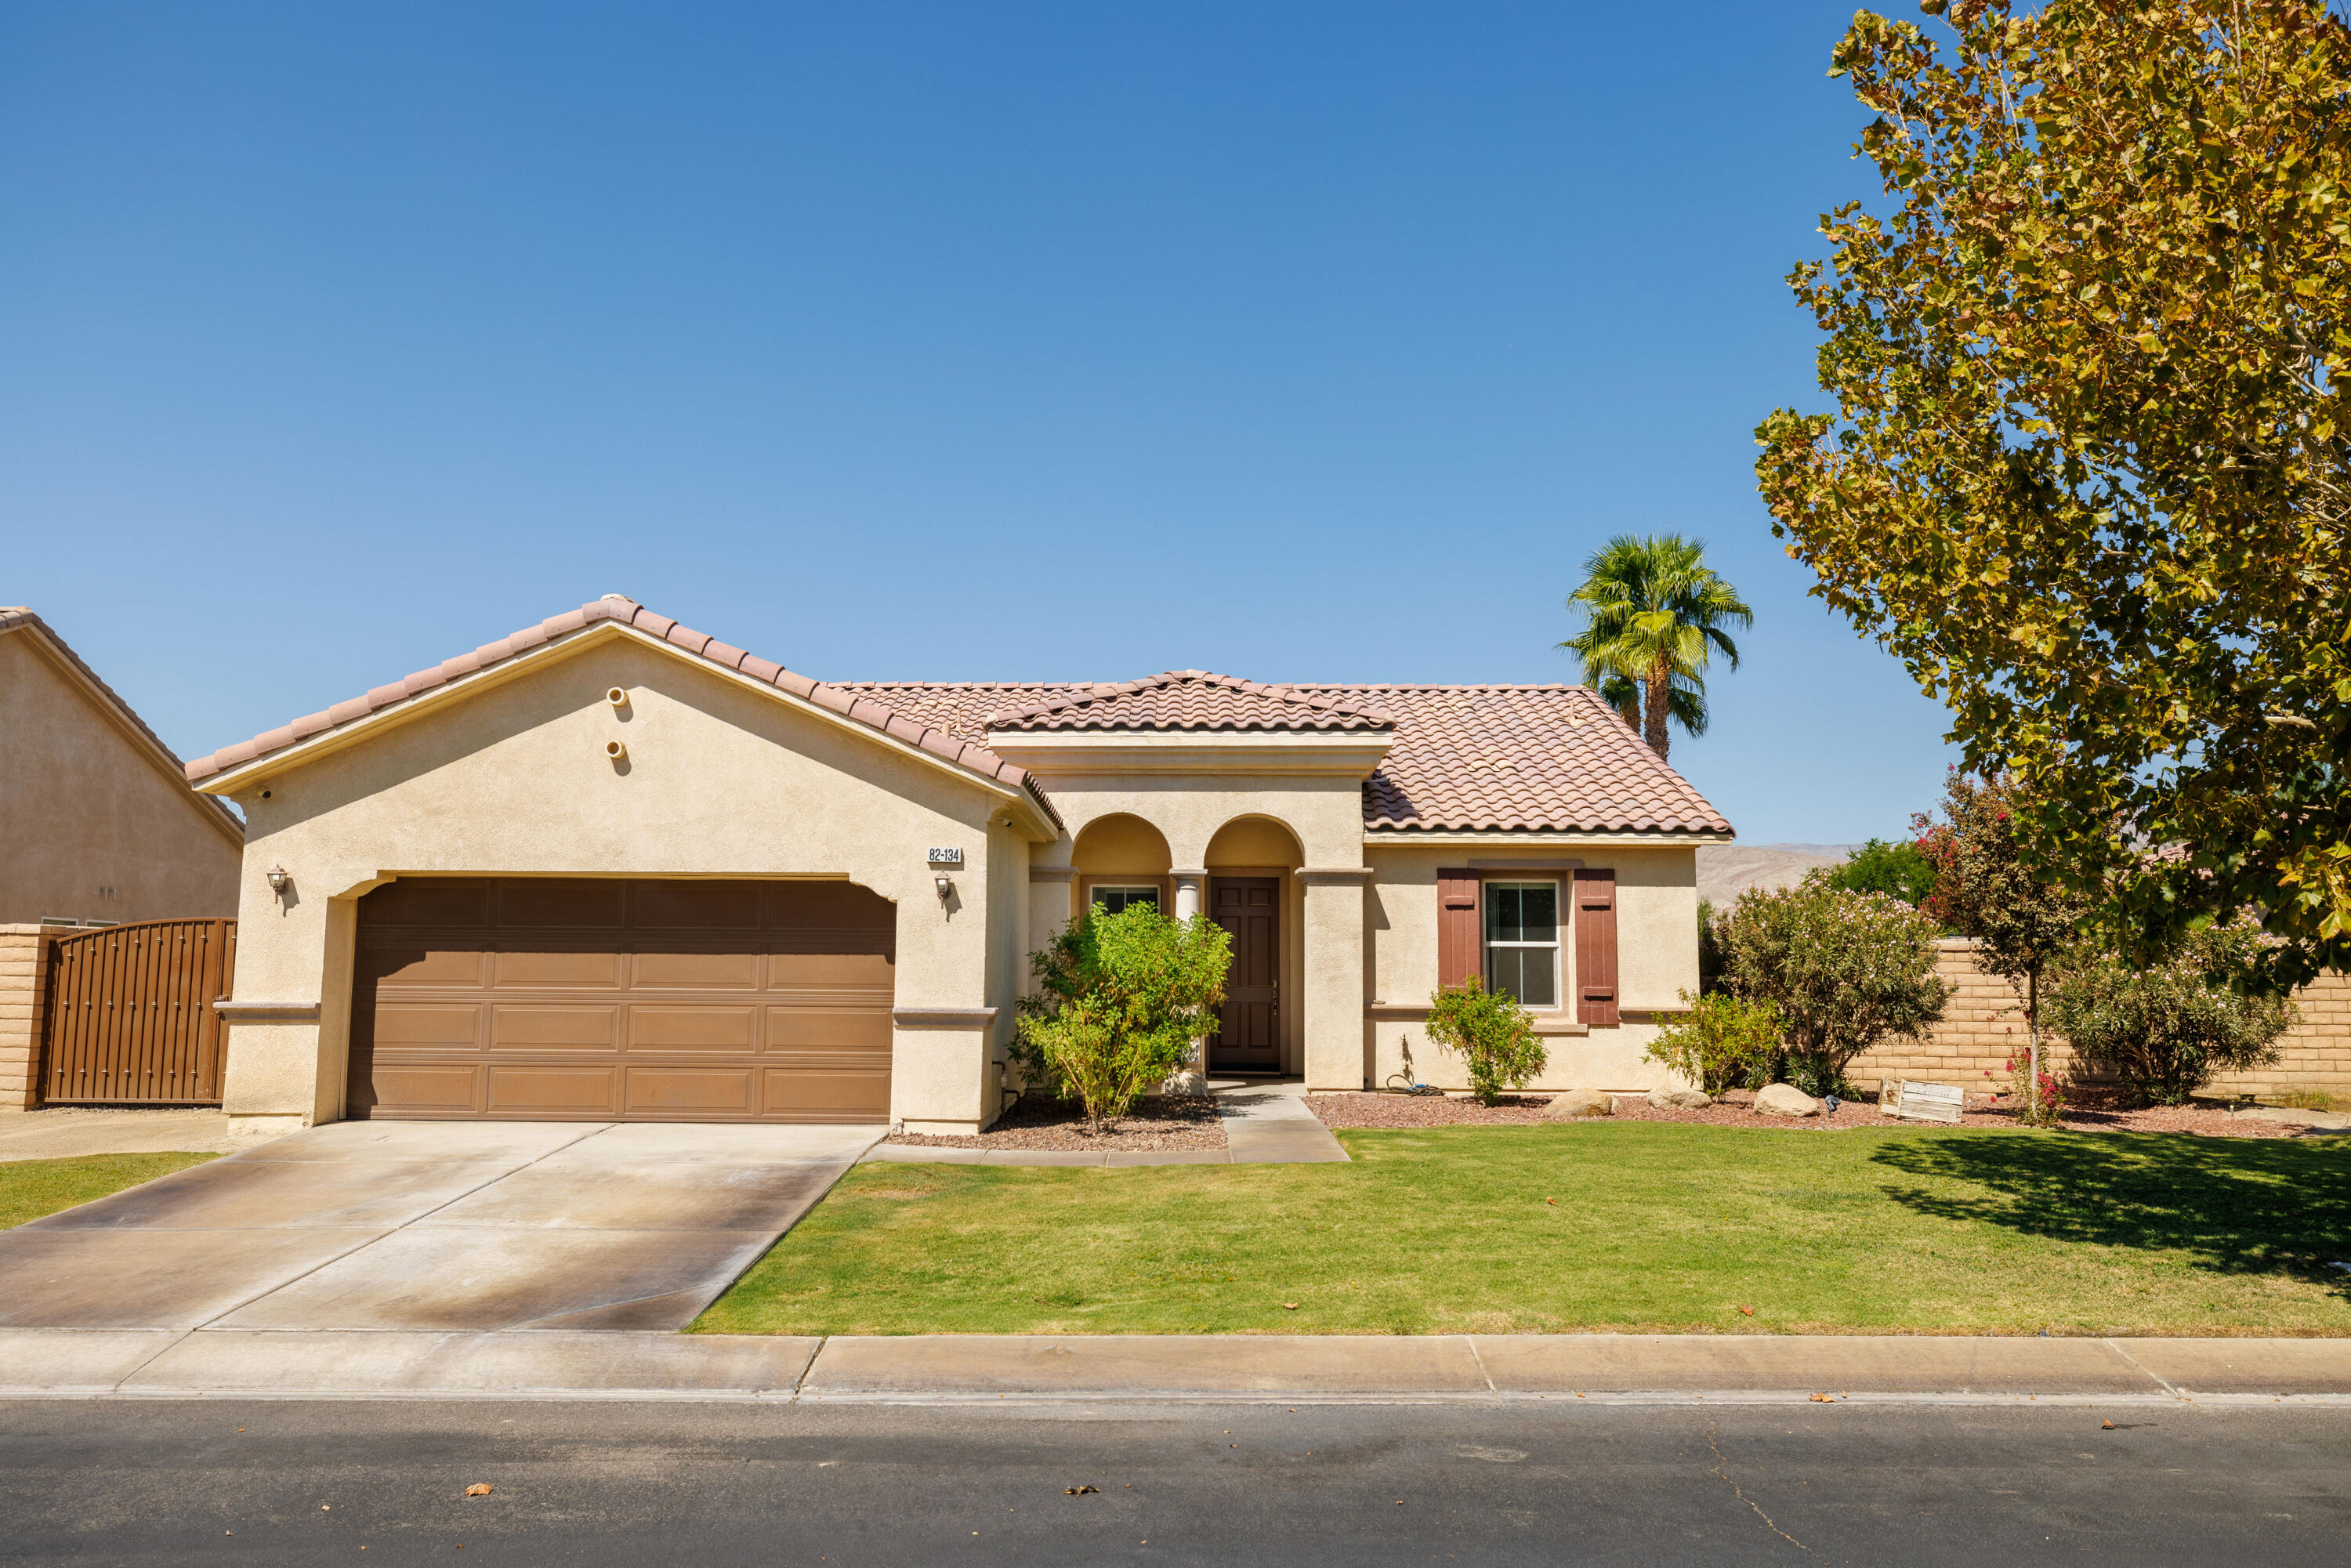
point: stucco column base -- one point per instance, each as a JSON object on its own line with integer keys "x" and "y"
{"x": 944, "y": 1079}
{"x": 1338, "y": 1039}
{"x": 255, "y": 1129}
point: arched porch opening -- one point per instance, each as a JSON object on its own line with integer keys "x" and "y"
{"x": 1120, "y": 859}
{"x": 1254, "y": 894}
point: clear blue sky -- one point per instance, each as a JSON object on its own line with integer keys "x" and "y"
{"x": 951, "y": 342}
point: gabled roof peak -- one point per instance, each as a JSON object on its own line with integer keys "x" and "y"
{"x": 616, "y": 608}
{"x": 1190, "y": 699}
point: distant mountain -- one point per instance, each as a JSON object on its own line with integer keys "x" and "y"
{"x": 1726, "y": 871}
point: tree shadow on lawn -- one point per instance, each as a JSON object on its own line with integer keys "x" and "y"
{"x": 2250, "y": 1206}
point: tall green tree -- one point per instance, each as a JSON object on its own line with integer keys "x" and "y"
{"x": 2090, "y": 466}
{"x": 1654, "y": 615}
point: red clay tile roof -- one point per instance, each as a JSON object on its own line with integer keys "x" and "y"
{"x": 1521, "y": 758}
{"x": 1189, "y": 699}
{"x": 13, "y": 616}
{"x": 964, "y": 752}
{"x": 1464, "y": 759}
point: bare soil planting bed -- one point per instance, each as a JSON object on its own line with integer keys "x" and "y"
{"x": 1157, "y": 1121}
{"x": 2088, "y": 1111}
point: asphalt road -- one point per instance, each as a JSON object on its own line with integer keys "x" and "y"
{"x": 641, "y": 1484}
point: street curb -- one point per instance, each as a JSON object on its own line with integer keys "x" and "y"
{"x": 1289, "y": 1370}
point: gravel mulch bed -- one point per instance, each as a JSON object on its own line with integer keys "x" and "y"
{"x": 1424, "y": 1110}
{"x": 1157, "y": 1123}
{"x": 2091, "y": 1110}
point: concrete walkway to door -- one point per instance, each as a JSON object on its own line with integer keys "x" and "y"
{"x": 435, "y": 1226}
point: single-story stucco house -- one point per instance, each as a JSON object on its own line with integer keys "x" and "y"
{"x": 608, "y": 868}
{"x": 98, "y": 825}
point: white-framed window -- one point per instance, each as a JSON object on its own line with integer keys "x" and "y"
{"x": 1114, "y": 898}
{"x": 1522, "y": 941}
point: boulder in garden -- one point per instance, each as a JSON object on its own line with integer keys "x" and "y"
{"x": 1786, "y": 1099}
{"x": 1577, "y": 1104}
{"x": 1678, "y": 1100}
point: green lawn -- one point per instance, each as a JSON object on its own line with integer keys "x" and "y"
{"x": 31, "y": 1188}
{"x": 1657, "y": 1227}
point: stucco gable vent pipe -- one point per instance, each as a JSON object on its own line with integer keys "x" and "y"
{"x": 617, "y": 698}
{"x": 615, "y": 750}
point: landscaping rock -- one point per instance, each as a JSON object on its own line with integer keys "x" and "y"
{"x": 1186, "y": 1082}
{"x": 1786, "y": 1099}
{"x": 1678, "y": 1100}
{"x": 1580, "y": 1102}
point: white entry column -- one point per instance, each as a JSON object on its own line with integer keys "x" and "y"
{"x": 1189, "y": 882}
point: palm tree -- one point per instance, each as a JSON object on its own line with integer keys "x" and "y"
{"x": 1653, "y": 615}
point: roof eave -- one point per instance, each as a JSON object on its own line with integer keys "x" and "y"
{"x": 1027, "y": 799}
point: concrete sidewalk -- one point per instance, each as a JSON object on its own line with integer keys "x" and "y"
{"x": 66, "y": 1132}
{"x": 1288, "y": 1369}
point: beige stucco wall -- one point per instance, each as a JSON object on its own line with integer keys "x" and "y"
{"x": 1983, "y": 1024}
{"x": 93, "y": 825}
{"x": 1656, "y": 956}
{"x": 720, "y": 780}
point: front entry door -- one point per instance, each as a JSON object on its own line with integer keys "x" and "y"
{"x": 1248, "y": 1037}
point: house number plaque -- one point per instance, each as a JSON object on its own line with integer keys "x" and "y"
{"x": 945, "y": 857}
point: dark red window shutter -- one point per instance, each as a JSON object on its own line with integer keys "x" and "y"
{"x": 1596, "y": 948}
{"x": 1459, "y": 937}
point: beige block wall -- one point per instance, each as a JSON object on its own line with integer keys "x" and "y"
{"x": 721, "y": 780}
{"x": 1657, "y": 955}
{"x": 93, "y": 824}
{"x": 23, "y": 999}
{"x": 1983, "y": 1024}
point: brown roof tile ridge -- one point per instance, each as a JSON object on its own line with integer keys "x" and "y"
{"x": 618, "y": 607}
{"x": 13, "y": 616}
{"x": 1165, "y": 679}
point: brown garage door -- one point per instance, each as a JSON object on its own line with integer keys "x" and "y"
{"x": 539, "y": 998}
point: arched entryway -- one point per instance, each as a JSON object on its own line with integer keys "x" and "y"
{"x": 1252, "y": 892}
{"x": 1121, "y": 859}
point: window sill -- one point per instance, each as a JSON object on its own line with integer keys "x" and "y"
{"x": 1546, "y": 1022}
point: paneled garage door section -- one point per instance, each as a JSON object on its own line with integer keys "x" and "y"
{"x": 538, "y": 999}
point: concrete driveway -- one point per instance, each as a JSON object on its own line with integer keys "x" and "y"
{"x": 431, "y": 1226}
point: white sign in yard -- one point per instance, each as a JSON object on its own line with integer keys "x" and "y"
{"x": 1921, "y": 1102}
{"x": 947, "y": 857}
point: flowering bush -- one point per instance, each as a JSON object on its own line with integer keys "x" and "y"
{"x": 2039, "y": 1098}
{"x": 2165, "y": 1030}
{"x": 1843, "y": 970}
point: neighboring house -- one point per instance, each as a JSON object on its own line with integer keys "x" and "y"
{"x": 609, "y": 867}
{"x": 97, "y": 820}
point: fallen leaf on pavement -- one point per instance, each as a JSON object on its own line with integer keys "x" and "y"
{"x": 1078, "y": 1491}
{"x": 1823, "y": 1398}
{"x": 2106, "y": 1426}
{"x": 479, "y": 1489}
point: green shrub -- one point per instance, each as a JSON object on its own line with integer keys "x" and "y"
{"x": 1491, "y": 1032}
{"x": 1119, "y": 999}
{"x": 1845, "y": 969}
{"x": 2164, "y": 1031}
{"x": 1726, "y": 1043}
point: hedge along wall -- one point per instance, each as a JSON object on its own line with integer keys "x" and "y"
{"x": 1984, "y": 1023}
